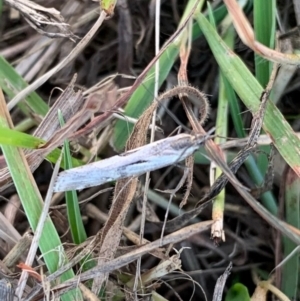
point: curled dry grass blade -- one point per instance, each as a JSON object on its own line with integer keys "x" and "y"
{"x": 246, "y": 33}
{"x": 142, "y": 97}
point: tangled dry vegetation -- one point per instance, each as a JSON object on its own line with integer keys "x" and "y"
{"x": 142, "y": 224}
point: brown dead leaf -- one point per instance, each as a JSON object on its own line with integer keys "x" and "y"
{"x": 71, "y": 125}
{"x": 105, "y": 97}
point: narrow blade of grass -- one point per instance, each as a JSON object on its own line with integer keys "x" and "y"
{"x": 74, "y": 216}
{"x": 221, "y": 132}
{"x": 73, "y": 210}
{"x": 15, "y": 138}
{"x": 290, "y": 272}
{"x": 18, "y": 139}
{"x": 11, "y": 83}
{"x": 264, "y": 28}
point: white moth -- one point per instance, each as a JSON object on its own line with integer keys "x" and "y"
{"x": 133, "y": 163}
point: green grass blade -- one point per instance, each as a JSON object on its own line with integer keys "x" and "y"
{"x": 54, "y": 155}
{"x": 74, "y": 216}
{"x": 264, "y": 28}
{"x": 15, "y": 138}
{"x": 222, "y": 133}
{"x": 18, "y": 139}
{"x": 12, "y": 83}
{"x": 250, "y": 91}
{"x": 290, "y": 271}
{"x": 73, "y": 210}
